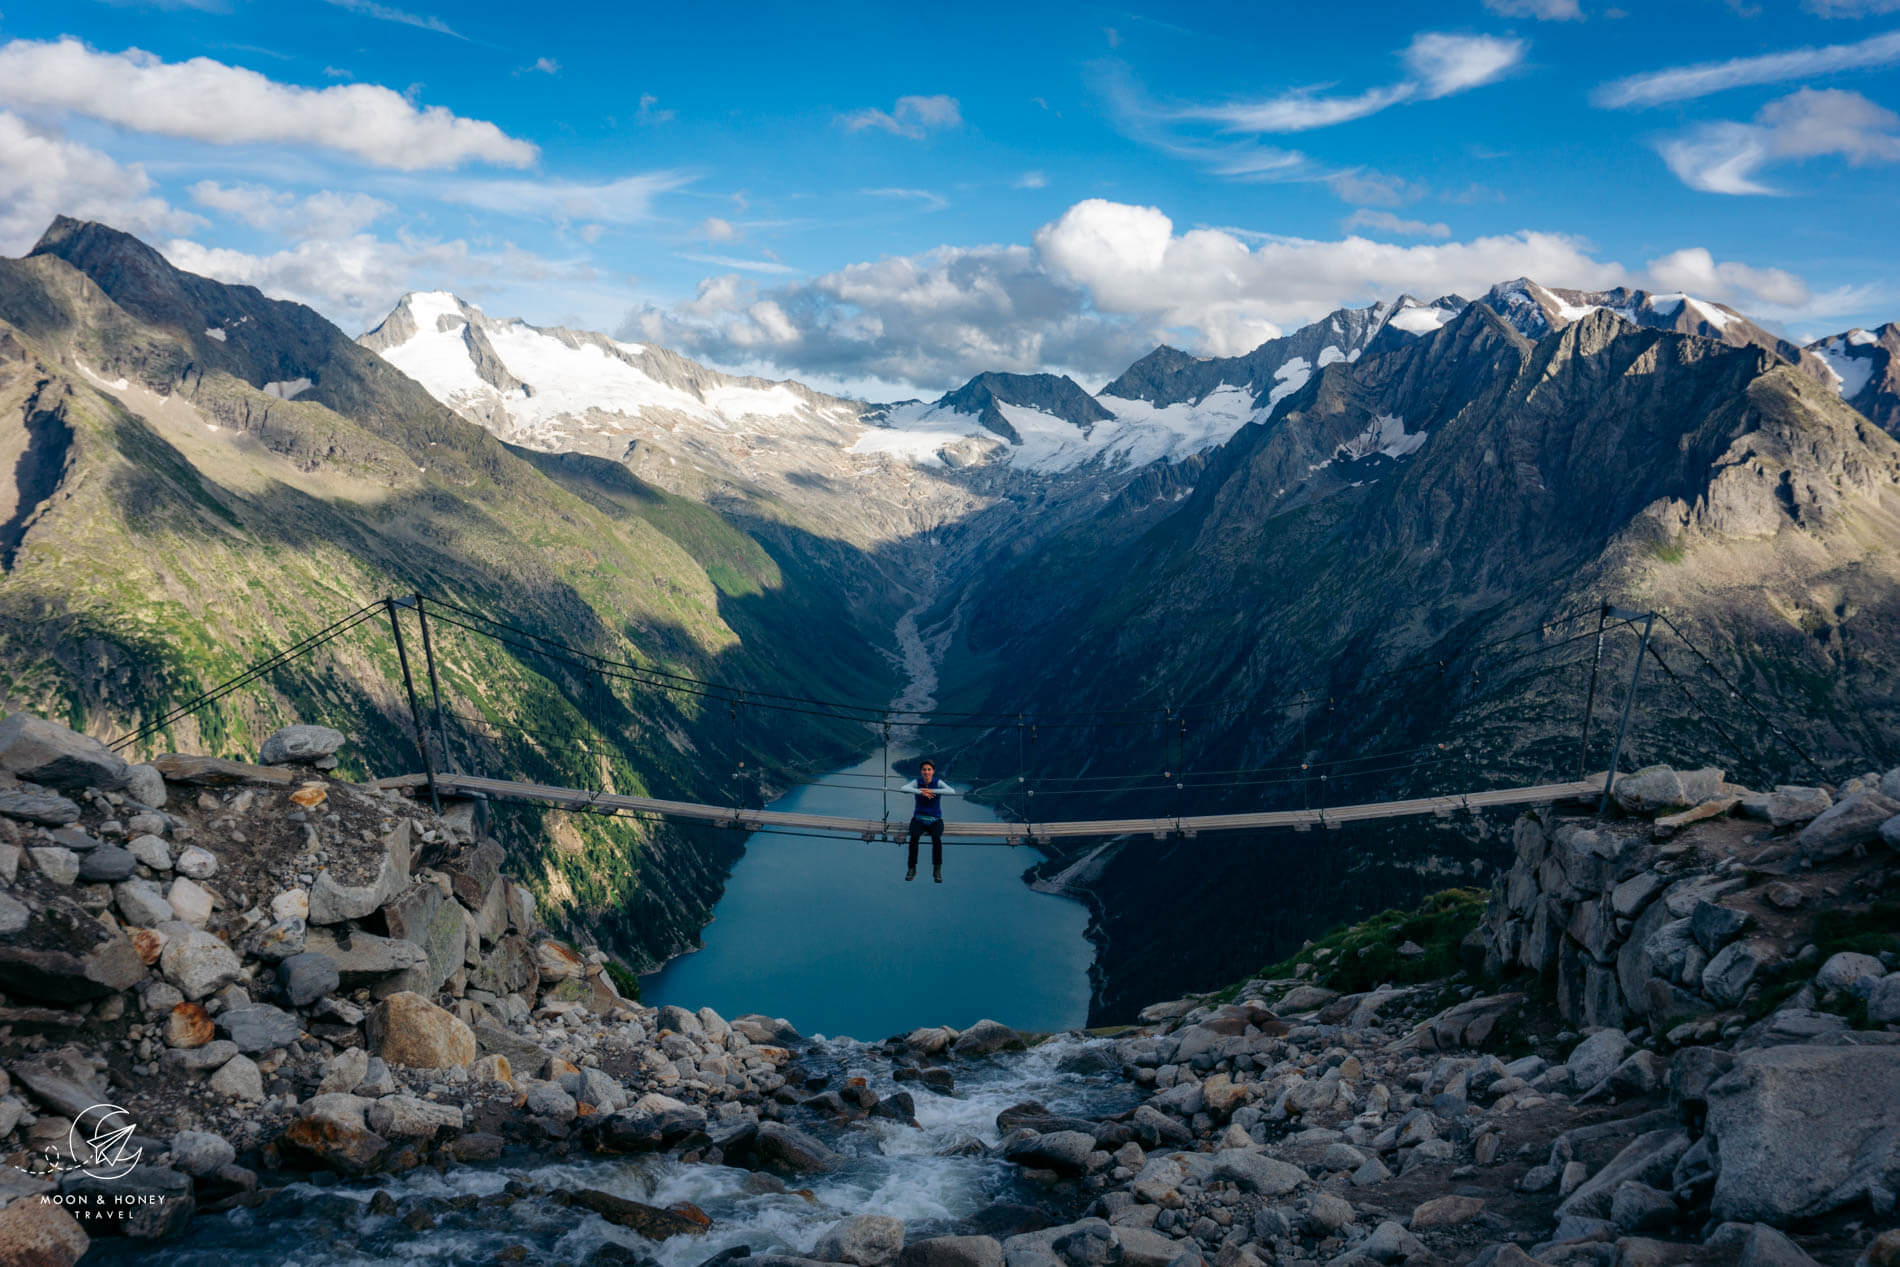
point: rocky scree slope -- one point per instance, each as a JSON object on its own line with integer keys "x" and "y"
{"x": 281, "y": 974}
{"x": 183, "y": 512}
{"x": 1442, "y": 491}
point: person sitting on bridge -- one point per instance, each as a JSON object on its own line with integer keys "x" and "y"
{"x": 927, "y": 817}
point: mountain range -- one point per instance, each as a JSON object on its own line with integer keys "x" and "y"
{"x": 202, "y": 473}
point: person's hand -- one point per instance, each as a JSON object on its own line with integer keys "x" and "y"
{"x": 928, "y": 796}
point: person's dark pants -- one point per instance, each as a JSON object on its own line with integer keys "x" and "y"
{"x": 934, "y": 826}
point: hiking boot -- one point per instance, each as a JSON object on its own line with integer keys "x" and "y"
{"x": 911, "y": 874}
{"x": 936, "y": 873}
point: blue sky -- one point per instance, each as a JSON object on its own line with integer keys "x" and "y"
{"x": 871, "y": 199}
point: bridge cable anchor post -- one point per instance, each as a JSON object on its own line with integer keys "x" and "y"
{"x": 1629, "y": 701}
{"x": 415, "y": 709}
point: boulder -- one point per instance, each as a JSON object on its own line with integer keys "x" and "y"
{"x": 48, "y": 809}
{"x": 1843, "y": 970}
{"x": 1651, "y": 790}
{"x": 474, "y": 875}
{"x": 1791, "y": 804}
{"x": 649, "y": 1221}
{"x": 1715, "y": 926}
{"x": 188, "y": 1025}
{"x": 1765, "y": 1247}
{"x": 151, "y": 851}
{"x": 305, "y": 978}
{"x": 782, "y": 1147}
{"x": 507, "y": 968}
{"x": 142, "y": 904}
{"x": 1065, "y": 1152}
{"x": 423, "y": 917}
{"x": 333, "y": 1132}
{"x": 192, "y": 902}
{"x": 201, "y": 1153}
{"x": 557, "y": 961}
{"x": 239, "y": 1078}
{"x": 300, "y": 745}
{"x": 953, "y": 1251}
{"x": 1729, "y": 974}
{"x": 986, "y": 1037}
{"x": 345, "y": 894}
{"x": 218, "y": 772}
{"x": 1446, "y": 1211}
{"x": 1596, "y": 1057}
{"x": 197, "y": 962}
{"x": 258, "y": 1028}
{"x": 1883, "y": 1000}
{"x": 63, "y": 1080}
{"x": 407, "y": 1029}
{"x": 864, "y": 1240}
{"x": 35, "y": 750}
{"x": 1852, "y": 821}
{"x": 108, "y": 864}
{"x": 1649, "y": 1159}
{"x": 79, "y": 958}
{"x": 144, "y": 784}
{"x": 196, "y": 864}
{"x": 363, "y": 958}
{"x": 56, "y": 863}
{"x": 1800, "y": 1131}
{"x": 40, "y": 1234}
{"x": 407, "y": 1117}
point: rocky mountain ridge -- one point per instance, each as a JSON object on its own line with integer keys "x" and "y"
{"x": 180, "y": 520}
{"x": 1441, "y": 492}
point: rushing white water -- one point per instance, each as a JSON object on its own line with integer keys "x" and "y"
{"x": 912, "y": 1173}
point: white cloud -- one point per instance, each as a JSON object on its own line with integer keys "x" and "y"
{"x": 1542, "y": 10}
{"x": 1727, "y": 157}
{"x": 911, "y": 116}
{"x": 773, "y": 267}
{"x": 1389, "y": 223}
{"x": 1106, "y": 281}
{"x": 1446, "y": 64}
{"x": 714, "y": 229}
{"x": 1682, "y": 83}
{"x": 628, "y": 200}
{"x": 1696, "y": 271}
{"x": 1032, "y": 180}
{"x": 1851, "y": 8}
{"x": 383, "y": 13}
{"x": 931, "y": 201}
{"x": 650, "y": 112}
{"x": 545, "y": 66}
{"x": 1438, "y": 65}
{"x": 206, "y": 100}
{"x": 354, "y": 280}
{"x": 43, "y": 175}
{"x": 325, "y": 214}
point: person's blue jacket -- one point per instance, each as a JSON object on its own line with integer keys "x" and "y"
{"x": 929, "y": 808}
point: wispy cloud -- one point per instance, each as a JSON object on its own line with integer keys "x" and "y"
{"x": 932, "y": 201}
{"x": 1032, "y": 180}
{"x": 650, "y": 111}
{"x": 913, "y": 117}
{"x": 1542, "y": 10}
{"x": 1438, "y": 65}
{"x": 1728, "y": 157}
{"x": 1683, "y": 83}
{"x": 744, "y": 265}
{"x": 1386, "y": 222}
{"x": 542, "y": 66}
{"x": 1851, "y": 8}
{"x": 625, "y": 201}
{"x": 383, "y": 13}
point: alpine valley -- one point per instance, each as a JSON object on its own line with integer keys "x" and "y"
{"x": 1252, "y": 557}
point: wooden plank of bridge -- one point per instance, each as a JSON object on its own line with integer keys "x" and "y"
{"x": 992, "y": 833}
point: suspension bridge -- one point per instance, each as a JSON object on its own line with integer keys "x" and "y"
{"x": 439, "y": 776}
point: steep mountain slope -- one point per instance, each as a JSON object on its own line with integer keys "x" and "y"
{"x": 173, "y": 518}
{"x": 1865, "y": 367}
{"x": 1313, "y": 600}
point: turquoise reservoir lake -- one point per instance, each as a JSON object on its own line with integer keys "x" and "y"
{"x": 827, "y": 933}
